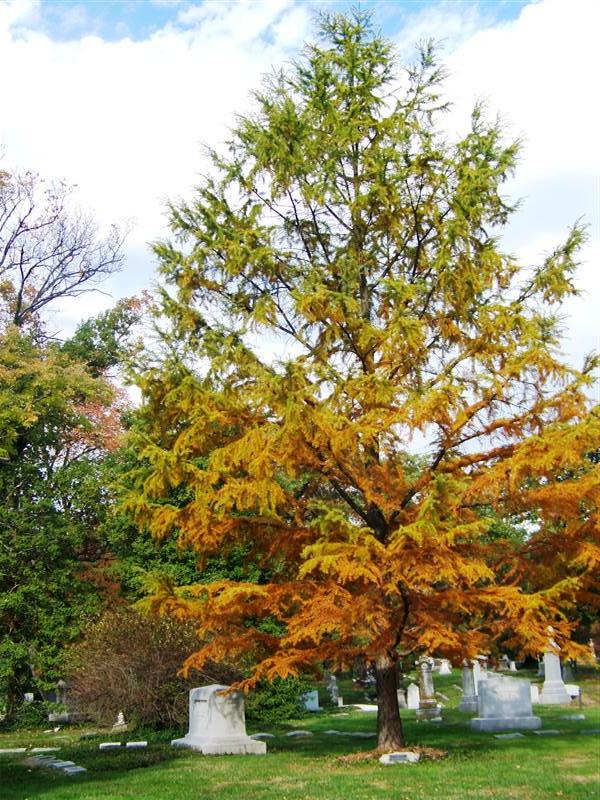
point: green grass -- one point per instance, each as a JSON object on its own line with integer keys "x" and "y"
{"x": 477, "y": 765}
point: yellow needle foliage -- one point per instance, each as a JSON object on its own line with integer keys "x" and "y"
{"x": 361, "y": 388}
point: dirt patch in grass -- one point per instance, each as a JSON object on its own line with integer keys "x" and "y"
{"x": 574, "y": 761}
{"x": 426, "y": 753}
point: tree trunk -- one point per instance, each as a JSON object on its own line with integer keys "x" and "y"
{"x": 390, "y": 735}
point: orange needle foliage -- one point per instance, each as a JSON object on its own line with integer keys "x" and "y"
{"x": 346, "y": 237}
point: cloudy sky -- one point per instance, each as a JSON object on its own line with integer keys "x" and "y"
{"x": 118, "y": 97}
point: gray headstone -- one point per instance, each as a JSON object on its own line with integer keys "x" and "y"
{"x": 412, "y": 696}
{"x": 504, "y": 703}
{"x": 468, "y": 701}
{"x": 311, "y": 700}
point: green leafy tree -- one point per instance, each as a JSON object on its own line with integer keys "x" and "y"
{"x": 55, "y": 424}
{"x": 337, "y": 294}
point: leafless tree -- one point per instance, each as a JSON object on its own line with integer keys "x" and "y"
{"x": 48, "y": 248}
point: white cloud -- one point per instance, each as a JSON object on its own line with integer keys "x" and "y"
{"x": 538, "y": 73}
{"x": 125, "y": 119}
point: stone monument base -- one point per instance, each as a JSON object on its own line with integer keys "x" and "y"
{"x": 554, "y": 694}
{"x": 493, "y": 724}
{"x": 428, "y": 713}
{"x": 236, "y": 745}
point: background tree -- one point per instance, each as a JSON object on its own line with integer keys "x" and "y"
{"x": 48, "y": 248}
{"x": 341, "y": 303}
{"x": 60, "y": 415}
{"x": 56, "y": 423}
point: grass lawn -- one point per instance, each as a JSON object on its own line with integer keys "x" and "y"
{"x": 476, "y": 766}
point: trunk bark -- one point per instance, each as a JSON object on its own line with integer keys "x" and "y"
{"x": 390, "y": 735}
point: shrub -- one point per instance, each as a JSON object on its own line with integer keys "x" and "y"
{"x": 130, "y": 663}
{"x": 278, "y": 700}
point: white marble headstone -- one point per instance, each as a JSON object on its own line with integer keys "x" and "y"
{"x": 553, "y": 691}
{"x": 218, "y": 723}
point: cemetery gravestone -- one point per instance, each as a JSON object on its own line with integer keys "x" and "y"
{"x": 429, "y": 707}
{"x": 445, "y": 667}
{"x": 311, "y": 701}
{"x": 401, "y": 699}
{"x": 553, "y": 691}
{"x": 504, "y": 703}
{"x": 469, "y": 698}
{"x": 332, "y": 688}
{"x": 218, "y": 724}
{"x": 413, "y": 696}
{"x": 120, "y": 724}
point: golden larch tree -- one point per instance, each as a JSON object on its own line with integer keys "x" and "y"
{"x": 358, "y": 383}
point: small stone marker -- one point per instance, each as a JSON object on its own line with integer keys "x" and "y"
{"x": 299, "y": 734}
{"x": 399, "y": 758}
{"x": 136, "y": 745}
{"x": 468, "y": 700}
{"x": 109, "y": 745}
{"x": 535, "y": 693}
{"x": 413, "y": 696}
{"x": 574, "y": 717}
{"x": 509, "y": 736}
{"x": 572, "y": 690}
{"x": 504, "y": 703}
{"x": 218, "y": 724}
{"x": 512, "y": 666}
{"x": 591, "y": 731}
{"x": 61, "y": 764}
{"x": 445, "y": 667}
{"x": 74, "y": 770}
{"x": 311, "y": 701}
{"x": 548, "y": 732}
{"x": 45, "y": 749}
{"x": 401, "y": 698}
{"x": 10, "y": 750}
{"x": 120, "y": 724}
{"x": 260, "y": 736}
{"x": 365, "y": 706}
{"x": 340, "y": 702}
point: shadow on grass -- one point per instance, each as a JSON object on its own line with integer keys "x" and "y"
{"x": 20, "y": 781}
